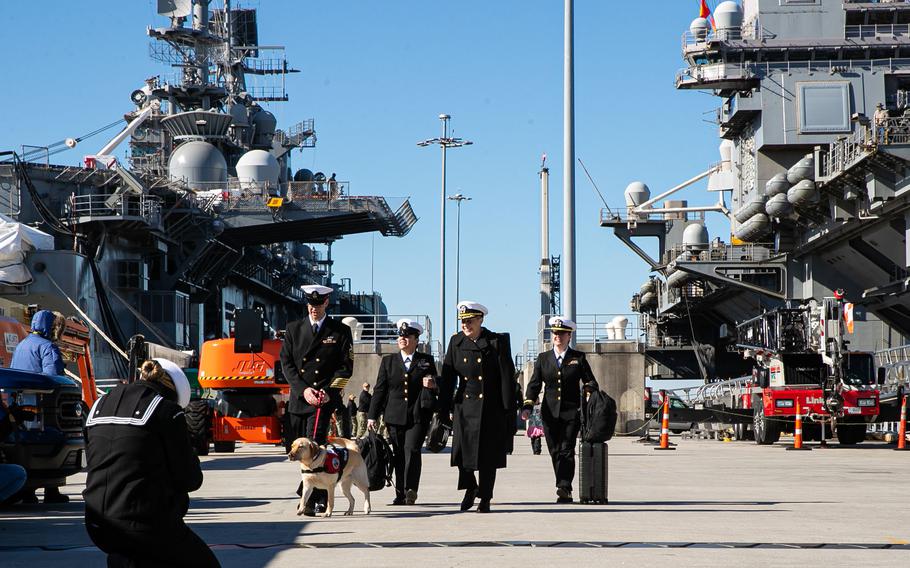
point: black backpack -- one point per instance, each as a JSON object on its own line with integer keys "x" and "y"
{"x": 377, "y": 456}
{"x": 599, "y": 416}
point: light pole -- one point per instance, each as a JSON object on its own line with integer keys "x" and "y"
{"x": 444, "y": 142}
{"x": 458, "y": 198}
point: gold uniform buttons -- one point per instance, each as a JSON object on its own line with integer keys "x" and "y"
{"x": 317, "y": 359}
{"x": 480, "y": 395}
{"x": 465, "y": 359}
{"x": 304, "y": 359}
{"x": 317, "y": 371}
{"x": 479, "y": 378}
{"x": 478, "y": 359}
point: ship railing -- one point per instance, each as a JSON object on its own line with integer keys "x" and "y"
{"x": 9, "y": 191}
{"x": 659, "y": 340}
{"x": 895, "y": 130}
{"x": 712, "y": 392}
{"x": 626, "y": 215}
{"x": 690, "y": 289}
{"x": 699, "y": 41}
{"x": 845, "y": 152}
{"x": 528, "y": 354}
{"x": 127, "y": 207}
{"x": 380, "y": 329}
{"x": 893, "y": 355}
{"x": 597, "y": 329}
{"x": 719, "y": 252}
{"x": 877, "y": 30}
{"x": 757, "y": 69}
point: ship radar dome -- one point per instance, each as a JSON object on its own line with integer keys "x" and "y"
{"x": 695, "y": 236}
{"x": 199, "y": 164}
{"x": 258, "y": 168}
{"x": 728, "y": 16}
{"x": 636, "y": 193}
{"x": 699, "y": 28}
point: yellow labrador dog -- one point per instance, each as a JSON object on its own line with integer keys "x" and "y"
{"x": 312, "y": 458}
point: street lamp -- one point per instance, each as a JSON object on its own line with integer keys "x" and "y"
{"x": 444, "y": 142}
{"x": 458, "y": 198}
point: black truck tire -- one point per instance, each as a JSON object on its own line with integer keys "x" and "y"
{"x": 225, "y": 447}
{"x": 766, "y": 431}
{"x": 851, "y": 433}
{"x": 199, "y": 423}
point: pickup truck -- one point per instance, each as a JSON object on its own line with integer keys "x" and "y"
{"x": 48, "y": 438}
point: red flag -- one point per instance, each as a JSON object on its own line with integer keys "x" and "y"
{"x": 705, "y": 12}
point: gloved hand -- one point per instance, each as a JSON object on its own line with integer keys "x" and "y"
{"x": 314, "y": 397}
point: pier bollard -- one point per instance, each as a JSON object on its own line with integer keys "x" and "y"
{"x": 902, "y": 429}
{"x": 665, "y": 425}
{"x": 798, "y": 431}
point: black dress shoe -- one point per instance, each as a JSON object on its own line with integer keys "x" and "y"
{"x": 564, "y": 500}
{"x": 399, "y": 500}
{"x": 53, "y": 495}
{"x": 483, "y": 506}
{"x": 468, "y": 501}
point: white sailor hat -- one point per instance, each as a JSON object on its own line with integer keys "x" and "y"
{"x": 468, "y": 309}
{"x": 316, "y": 294}
{"x": 560, "y": 323}
{"x": 408, "y": 327}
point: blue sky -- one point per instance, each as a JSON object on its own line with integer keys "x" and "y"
{"x": 375, "y": 76}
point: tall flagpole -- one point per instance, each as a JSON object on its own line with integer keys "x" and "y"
{"x": 568, "y": 237}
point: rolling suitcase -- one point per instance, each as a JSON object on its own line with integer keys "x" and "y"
{"x": 592, "y": 472}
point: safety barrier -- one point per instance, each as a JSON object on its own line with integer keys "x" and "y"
{"x": 798, "y": 431}
{"x": 665, "y": 424}
{"x": 902, "y": 430}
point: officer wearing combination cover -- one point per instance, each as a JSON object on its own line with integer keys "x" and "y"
{"x": 404, "y": 394}
{"x": 317, "y": 359}
{"x": 561, "y": 372}
{"x": 478, "y": 385}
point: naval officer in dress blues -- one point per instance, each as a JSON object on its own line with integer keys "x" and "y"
{"x": 317, "y": 359}
{"x": 405, "y": 396}
{"x": 562, "y": 373}
{"x": 478, "y": 385}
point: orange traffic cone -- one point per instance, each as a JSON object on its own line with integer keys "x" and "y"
{"x": 902, "y": 429}
{"x": 665, "y": 425}
{"x": 798, "y": 431}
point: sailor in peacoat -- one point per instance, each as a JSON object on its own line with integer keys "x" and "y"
{"x": 562, "y": 373}
{"x": 405, "y": 396}
{"x": 478, "y": 386}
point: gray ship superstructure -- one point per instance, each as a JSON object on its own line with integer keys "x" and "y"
{"x": 813, "y": 180}
{"x": 207, "y": 215}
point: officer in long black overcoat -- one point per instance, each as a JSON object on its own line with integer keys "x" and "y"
{"x": 562, "y": 373}
{"x": 405, "y": 394}
{"x": 478, "y": 385}
{"x": 317, "y": 359}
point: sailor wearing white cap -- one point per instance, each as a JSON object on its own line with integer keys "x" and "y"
{"x": 317, "y": 360}
{"x": 405, "y": 395}
{"x": 562, "y": 373}
{"x": 478, "y": 386}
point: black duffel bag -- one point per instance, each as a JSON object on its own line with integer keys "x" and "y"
{"x": 438, "y": 434}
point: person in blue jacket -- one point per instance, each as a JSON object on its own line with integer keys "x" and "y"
{"x": 39, "y": 354}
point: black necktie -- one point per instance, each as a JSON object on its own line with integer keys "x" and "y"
{"x": 559, "y": 361}
{"x": 315, "y": 328}
{"x": 407, "y": 363}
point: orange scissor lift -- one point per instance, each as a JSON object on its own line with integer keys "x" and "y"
{"x": 250, "y": 391}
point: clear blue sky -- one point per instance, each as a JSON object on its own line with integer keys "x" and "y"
{"x": 375, "y": 76}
